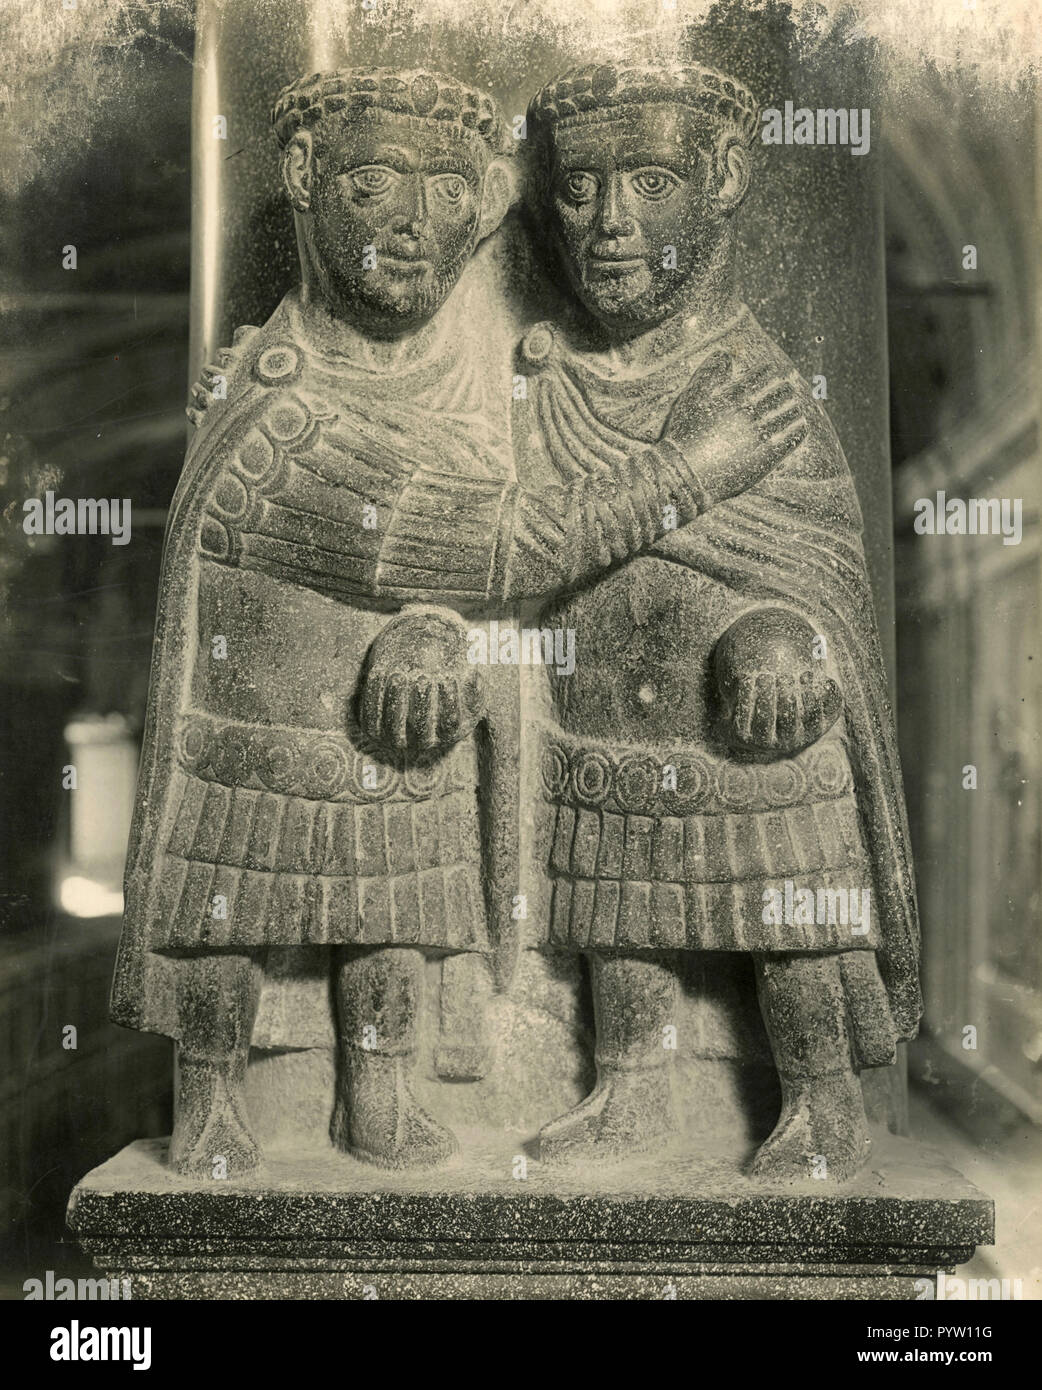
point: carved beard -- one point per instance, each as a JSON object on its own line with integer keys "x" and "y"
{"x": 376, "y": 300}
{"x": 628, "y": 293}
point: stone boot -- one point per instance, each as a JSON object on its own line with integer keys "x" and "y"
{"x": 632, "y": 1107}
{"x": 822, "y": 1132}
{"x": 217, "y": 1000}
{"x": 377, "y": 1118}
{"x": 211, "y": 1137}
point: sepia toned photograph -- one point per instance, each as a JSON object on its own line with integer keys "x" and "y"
{"x": 519, "y": 611}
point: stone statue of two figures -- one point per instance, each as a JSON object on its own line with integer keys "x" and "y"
{"x": 719, "y": 771}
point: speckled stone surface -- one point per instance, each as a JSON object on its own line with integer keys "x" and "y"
{"x": 320, "y": 1225}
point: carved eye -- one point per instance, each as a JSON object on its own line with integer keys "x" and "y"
{"x": 654, "y": 184}
{"x": 450, "y": 188}
{"x": 373, "y": 180}
{"x": 581, "y": 187}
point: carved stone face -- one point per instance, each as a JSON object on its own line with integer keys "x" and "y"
{"x": 622, "y": 190}
{"x": 412, "y": 192}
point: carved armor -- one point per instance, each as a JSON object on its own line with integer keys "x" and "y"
{"x": 262, "y": 791}
{"x": 268, "y": 537}
{"x": 655, "y": 833}
{"x": 312, "y": 834}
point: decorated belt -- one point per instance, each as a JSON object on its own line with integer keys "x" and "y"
{"x": 688, "y": 780}
{"x": 315, "y": 764}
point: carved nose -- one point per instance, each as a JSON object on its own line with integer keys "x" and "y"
{"x": 415, "y": 216}
{"x": 409, "y": 226}
{"x": 614, "y": 220}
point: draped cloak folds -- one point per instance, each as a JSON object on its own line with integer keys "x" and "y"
{"x": 794, "y": 538}
{"x": 268, "y": 516}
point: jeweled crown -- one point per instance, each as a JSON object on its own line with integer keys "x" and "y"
{"x": 417, "y": 94}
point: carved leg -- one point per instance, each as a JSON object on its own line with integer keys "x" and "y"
{"x": 465, "y": 1050}
{"x": 217, "y": 1000}
{"x": 631, "y": 1107}
{"x": 376, "y": 1117}
{"x": 822, "y": 1131}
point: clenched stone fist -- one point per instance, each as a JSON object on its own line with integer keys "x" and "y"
{"x": 419, "y": 692}
{"x": 776, "y": 694}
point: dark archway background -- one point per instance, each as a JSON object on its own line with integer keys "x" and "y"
{"x": 962, "y": 171}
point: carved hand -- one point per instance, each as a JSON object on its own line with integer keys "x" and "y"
{"x": 227, "y": 360}
{"x": 419, "y": 692}
{"x": 776, "y": 695}
{"x": 734, "y": 432}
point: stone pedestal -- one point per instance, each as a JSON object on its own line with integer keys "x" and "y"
{"x": 320, "y": 1225}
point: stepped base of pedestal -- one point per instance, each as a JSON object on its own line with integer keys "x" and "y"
{"x": 321, "y": 1225}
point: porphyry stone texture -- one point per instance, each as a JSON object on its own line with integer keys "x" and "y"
{"x": 320, "y": 1225}
{"x": 327, "y": 764}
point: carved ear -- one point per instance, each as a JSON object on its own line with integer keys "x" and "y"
{"x": 498, "y": 192}
{"x": 296, "y": 169}
{"x": 732, "y": 175}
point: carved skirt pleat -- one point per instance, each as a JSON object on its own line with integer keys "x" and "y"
{"x": 709, "y": 882}
{"x": 251, "y": 867}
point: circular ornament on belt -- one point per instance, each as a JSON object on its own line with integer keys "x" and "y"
{"x": 554, "y": 769}
{"x": 372, "y": 780}
{"x": 277, "y": 765}
{"x": 784, "y": 783}
{"x": 737, "y": 785}
{"x": 591, "y": 776}
{"x": 638, "y": 780}
{"x": 423, "y": 779}
{"x": 195, "y": 745}
{"x": 231, "y": 759}
{"x": 326, "y": 770}
{"x": 278, "y": 364}
{"x": 693, "y": 782}
{"x": 829, "y": 771}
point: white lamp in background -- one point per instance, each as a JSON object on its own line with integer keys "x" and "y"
{"x": 104, "y": 755}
